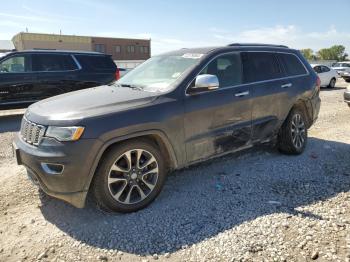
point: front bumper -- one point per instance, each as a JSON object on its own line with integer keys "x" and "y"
{"x": 347, "y": 97}
{"x": 71, "y": 184}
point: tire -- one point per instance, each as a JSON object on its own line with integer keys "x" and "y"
{"x": 347, "y": 80}
{"x": 289, "y": 141}
{"x": 332, "y": 83}
{"x": 117, "y": 185}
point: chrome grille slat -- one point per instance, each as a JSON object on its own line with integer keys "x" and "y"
{"x": 31, "y": 133}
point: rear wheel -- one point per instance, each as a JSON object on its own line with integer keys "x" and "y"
{"x": 130, "y": 177}
{"x": 347, "y": 80}
{"x": 292, "y": 137}
{"x": 332, "y": 83}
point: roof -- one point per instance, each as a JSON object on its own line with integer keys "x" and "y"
{"x": 231, "y": 47}
{"x": 59, "y": 51}
{"x": 31, "y": 36}
{"x": 6, "y": 45}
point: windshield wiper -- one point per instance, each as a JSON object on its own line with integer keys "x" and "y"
{"x": 137, "y": 87}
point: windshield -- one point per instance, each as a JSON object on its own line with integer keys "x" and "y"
{"x": 158, "y": 73}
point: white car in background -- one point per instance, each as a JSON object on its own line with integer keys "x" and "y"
{"x": 343, "y": 69}
{"x": 327, "y": 75}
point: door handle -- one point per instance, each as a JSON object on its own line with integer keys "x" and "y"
{"x": 286, "y": 85}
{"x": 242, "y": 94}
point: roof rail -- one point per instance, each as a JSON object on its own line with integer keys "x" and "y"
{"x": 256, "y": 44}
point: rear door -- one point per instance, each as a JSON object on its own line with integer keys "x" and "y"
{"x": 268, "y": 90}
{"x": 218, "y": 121}
{"x": 327, "y": 73}
{"x": 16, "y": 79}
{"x": 55, "y": 74}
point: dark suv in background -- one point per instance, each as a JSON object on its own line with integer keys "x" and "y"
{"x": 29, "y": 76}
{"x": 174, "y": 110}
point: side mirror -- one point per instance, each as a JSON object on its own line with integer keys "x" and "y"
{"x": 205, "y": 83}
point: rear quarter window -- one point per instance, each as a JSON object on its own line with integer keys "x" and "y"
{"x": 96, "y": 62}
{"x": 292, "y": 64}
{"x": 260, "y": 66}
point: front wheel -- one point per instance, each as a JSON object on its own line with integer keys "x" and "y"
{"x": 130, "y": 177}
{"x": 292, "y": 137}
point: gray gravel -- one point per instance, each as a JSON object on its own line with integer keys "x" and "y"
{"x": 256, "y": 205}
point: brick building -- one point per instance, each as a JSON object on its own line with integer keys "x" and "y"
{"x": 125, "y": 52}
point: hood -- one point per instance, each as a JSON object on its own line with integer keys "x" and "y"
{"x": 78, "y": 105}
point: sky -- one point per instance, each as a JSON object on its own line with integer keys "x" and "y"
{"x": 186, "y": 23}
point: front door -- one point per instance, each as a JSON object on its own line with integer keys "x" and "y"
{"x": 16, "y": 80}
{"x": 218, "y": 121}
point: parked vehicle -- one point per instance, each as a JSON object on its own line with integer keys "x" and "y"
{"x": 29, "y": 76}
{"x": 328, "y": 76}
{"x": 343, "y": 69}
{"x": 347, "y": 96}
{"x": 124, "y": 71}
{"x": 174, "y": 110}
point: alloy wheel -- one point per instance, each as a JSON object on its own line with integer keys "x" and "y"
{"x": 298, "y": 131}
{"x": 133, "y": 176}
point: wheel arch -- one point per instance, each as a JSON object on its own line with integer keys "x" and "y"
{"x": 306, "y": 107}
{"x": 154, "y": 136}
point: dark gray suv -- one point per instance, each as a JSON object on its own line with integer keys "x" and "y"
{"x": 174, "y": 110}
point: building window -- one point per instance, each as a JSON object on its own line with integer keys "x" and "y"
{"x": 144, "y": 49}
{"x": 117, "y": 49}
{"x": 130, "y": 49}
{"x": 100, "y": 48}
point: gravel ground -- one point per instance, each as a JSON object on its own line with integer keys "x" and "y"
{"x": 256, "y": 205}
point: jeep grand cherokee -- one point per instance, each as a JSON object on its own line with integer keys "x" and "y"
{"x": 176, "y": 109}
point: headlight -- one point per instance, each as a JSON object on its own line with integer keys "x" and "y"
{"x": 65, "y": 133}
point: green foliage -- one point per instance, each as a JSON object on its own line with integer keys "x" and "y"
{"x": 308, "y": 53}
{"x": 336, "y": 52}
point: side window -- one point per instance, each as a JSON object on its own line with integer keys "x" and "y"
{"x": 325, "y": 69}
{"x": 318, "y": 69}
{"x": 15, "y": 64}
{"x": 292, "y": 64}
{"x": 228, "y": 69}
{"x": 260, "y": 66}
{"x": 50, "y": 62}
{"x": 96, "y": 62}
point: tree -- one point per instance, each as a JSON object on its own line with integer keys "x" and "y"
{"x": 308, "y": 53}
{"x": 336, "y": 52}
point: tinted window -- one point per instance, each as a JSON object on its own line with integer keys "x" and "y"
{"x": 52, "y": 62}
{"x": 96, "y": 62}
{"x": 15, "y": 64}
{"x": 292, "y": 64}
{"x": 325, "y": 69}
{"x": 227, "y": 68}
{"x": 260, "y": 66}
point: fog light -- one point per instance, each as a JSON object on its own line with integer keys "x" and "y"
{"x": 52, "y": 169}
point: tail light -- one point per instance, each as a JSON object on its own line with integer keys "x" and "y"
{"x": 318, "y": 84}
{"x": 117, "y": 74}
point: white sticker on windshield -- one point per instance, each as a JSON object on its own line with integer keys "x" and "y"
{"x": 192, "y": 55}
{"x": 176, "y": 75}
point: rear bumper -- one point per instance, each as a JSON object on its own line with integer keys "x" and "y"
{"x": 347, "y": 97}
{"x": 70, "y": 184}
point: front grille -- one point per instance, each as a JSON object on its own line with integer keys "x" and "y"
{"x": 31, "y": 132}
